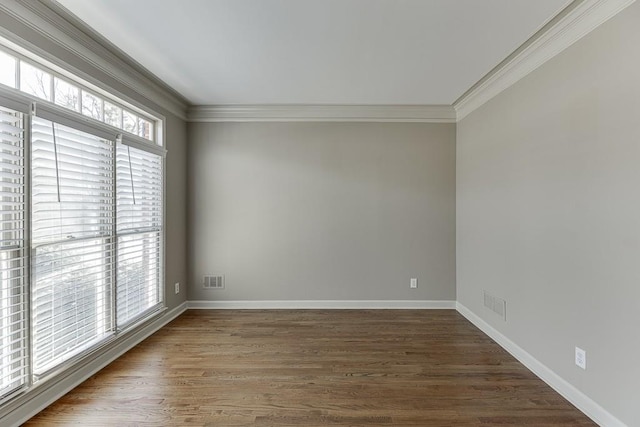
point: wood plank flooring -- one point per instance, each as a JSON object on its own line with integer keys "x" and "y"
{"x": 314, "y": 368}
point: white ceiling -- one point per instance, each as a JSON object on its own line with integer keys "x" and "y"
{"x": 388, "y": 52}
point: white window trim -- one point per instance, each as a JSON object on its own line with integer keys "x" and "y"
{"x": 24, "y": 103}
{"x": 157, "y": 120}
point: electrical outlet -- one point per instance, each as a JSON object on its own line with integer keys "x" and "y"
{"x": 581, "y": 358}
{"x": 177, "y": 287}
{"x": 413, "y": 283}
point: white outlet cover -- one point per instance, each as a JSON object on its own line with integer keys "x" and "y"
{"x": 581, "y": 358}
{"x": 413, "y": 283}
{"x": 177, "y": 287}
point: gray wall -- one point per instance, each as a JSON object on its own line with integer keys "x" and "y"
{"x": 548, "y": 213}
{"x": 322, "y": 211}
{"x": 176, "y": 210}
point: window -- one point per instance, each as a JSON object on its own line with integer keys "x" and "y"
{"x": 139, "y": 226}
{"x": 34, "y": 81}
{"x": 92, "y": 106}
{"x": 13, "y": 309}
{"x": 81, "y": 221}
{"x": 113, "y": 115}
{"x": 66, "y": 95}
{"x": 38, "y": 81}
{"x": 7, "y": 70}
{"x": 72, "y": 250}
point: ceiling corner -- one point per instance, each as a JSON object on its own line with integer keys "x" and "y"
{"x": 575, "y": 22}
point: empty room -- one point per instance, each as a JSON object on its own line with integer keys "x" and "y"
{"x": 320, "y": 212}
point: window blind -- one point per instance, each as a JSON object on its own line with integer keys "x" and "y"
{"x": 13, "y": 326}
{"x": 139, "y": 229}
{"x": 72, "y": 190}
{"x": 72, "y": 274}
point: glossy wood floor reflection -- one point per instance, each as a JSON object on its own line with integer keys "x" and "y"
{"x": 315, "y": 368}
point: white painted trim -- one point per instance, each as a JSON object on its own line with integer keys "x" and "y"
{"x": 584, "y": 18}
{"x": 326, "y": 304}
{"x": 26, "y": 406}
{"x": 580, "y": 400}
{"x": 323, "y": 113}
{"x": 50, "y": 20}
{"x": 29, "y": 404}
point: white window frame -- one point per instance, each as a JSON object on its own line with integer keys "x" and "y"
{"x": 156, "y": 120}
{"x": 23, "y": 102}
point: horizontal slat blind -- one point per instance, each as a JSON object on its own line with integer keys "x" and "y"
{"x": 72, "y": 246}
{"x": 13, "y": 328}
{"x": 72, "y": 183}
{"x": 64, "y": 254}
{"x": 139, "y": 226}
{"x": 138, "y": 275}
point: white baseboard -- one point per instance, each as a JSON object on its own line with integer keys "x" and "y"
{"x": 26, "y": 406}
{"x": 328, "y": 304}
{"x": 580, "y": 400}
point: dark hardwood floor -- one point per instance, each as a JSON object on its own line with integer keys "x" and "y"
{"x": 313, "y": 368}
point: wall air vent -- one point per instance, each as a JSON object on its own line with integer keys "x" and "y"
{"x": 495, "y": 304}
{"x": 213, "y": 282}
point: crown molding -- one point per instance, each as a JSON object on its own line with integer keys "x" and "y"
{"x": 50, "y": 20}
{"x": 576, "y": 21}
{"x": 57, "y": 25}
{"x": 323, "y": 113}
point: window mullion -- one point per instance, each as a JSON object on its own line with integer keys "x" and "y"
{"x": 27, "y": 242}
{"x": 52, "y": 89}
{"x": 18, "y": 75}
{"x": 114, "y": 239}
